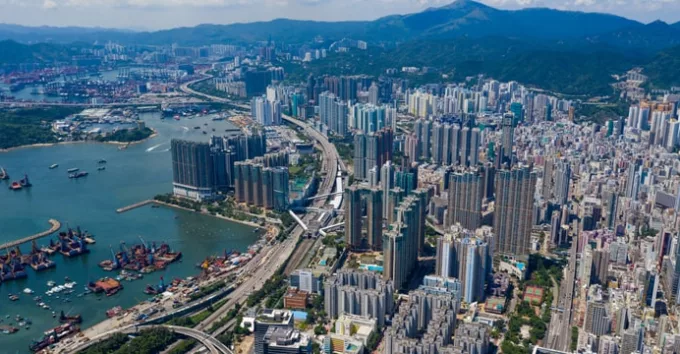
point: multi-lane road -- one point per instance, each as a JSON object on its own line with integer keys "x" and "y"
{"x": 266, "y": 263}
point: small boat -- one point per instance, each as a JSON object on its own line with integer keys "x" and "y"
{"x": 28, "y": 291}
{"x": 71, "y": 170}
{"x": 15, "y": 186}
{"x": 53, "y": 166}
{"x": 51, "y": 283}
{"x": 101, "y": 168}
{"x": 101, "y": 162}
{"x": 13, "y": 297}
{"x": 3, "y": 174}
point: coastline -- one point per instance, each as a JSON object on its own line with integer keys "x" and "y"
{"x": 219, "y": 216}
{"x": 116, "y": 143}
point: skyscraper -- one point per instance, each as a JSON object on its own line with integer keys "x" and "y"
{"x": 353, "y": 217}
{"x": 562, "y": 182}
{"x": 465, "y": 199}
{"x": 513, "y": 210}
{"x": 192, "y": 169}
{"x": 371, "y": 150}
{"x": 508, "y": 128}
{"x": 386, "y": 183}
{"x": 374, "y": 225}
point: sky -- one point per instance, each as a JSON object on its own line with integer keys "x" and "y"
{"x": 161, "y": 14}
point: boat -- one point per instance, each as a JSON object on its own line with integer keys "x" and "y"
{"x": 53, "y": 336}
{"x": 101, "y": 162}
{"x": 13, "y": 297}
{"x": 114, "y": 311}
{"x": 71, "y": 170}
{"x": 101, "y": 168}
{"x": 15, "y": 186}
{"x": 25, "y": 182}
{"x": 78, "y": 175}
{"x": 53, "y": 166}
{"x": 28, "y": 291}
{"x": 3, "y": 174}
{"x": 70, "y": 319}
{"x": 51, "y": 283}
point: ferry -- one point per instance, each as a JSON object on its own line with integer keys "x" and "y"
{"x": 53, "y": 166}
{"x": 71, "y": 170}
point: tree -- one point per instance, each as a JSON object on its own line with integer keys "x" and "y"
{"x": 320, "y": 329}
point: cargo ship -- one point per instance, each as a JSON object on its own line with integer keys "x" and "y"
{"x": 108, "y": 286}
{"x": 12, "y": 270}
{"x": 38, "y": 259}
{"x": 141, "y": 257}
{"x": 53, "y": 336}
{"x": 71, "y": 245}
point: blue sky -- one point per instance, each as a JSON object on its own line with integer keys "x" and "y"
{"x": 158, "y": 14}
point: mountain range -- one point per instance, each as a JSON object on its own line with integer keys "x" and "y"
{"x": 462, "y": 18}
{"x": 565, "y": 51}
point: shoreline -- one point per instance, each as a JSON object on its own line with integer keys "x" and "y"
{"x": 219, "y": 216}
{"x": 115, "y": 143}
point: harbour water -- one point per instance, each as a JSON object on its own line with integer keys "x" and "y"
{"x": 131, "y": 175}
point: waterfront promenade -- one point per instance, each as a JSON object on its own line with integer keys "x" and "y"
{"x": 55, "y": 225}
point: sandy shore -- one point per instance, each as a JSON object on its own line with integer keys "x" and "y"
{"x": 153, "y": 135}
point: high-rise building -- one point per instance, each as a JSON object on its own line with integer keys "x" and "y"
{"x": 597, "y": 319}
{"x": 517, "y": 111}
{"x": 386, "y": 183}
{"x": 562, "y": 182}
{"x": 472, "y": 267}
{"x": 514, "y": 207}
{"x": 508, "y": 129}
{"x": 355, "y": 198}
{"x": 192, "y": 169}
{"x": 404, "y": 238}
{"x": 371, "y": 150}
{"x": 266, "y": 112}
{"x": 425, "y": 321}
{"x": 465, "y": 199}
{"x": 262, "y": 186}
{"x": 472, "y": 338}
{"x": 358, "y": 293}
{"x": 352, "y": 199}
{"x": 334, "y": 113}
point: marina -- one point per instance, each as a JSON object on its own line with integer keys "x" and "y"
{"x": 91, "y": 202}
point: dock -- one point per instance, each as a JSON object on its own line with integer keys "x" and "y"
{"x": 56, "y": 225}
{"x": 134, "y": 206}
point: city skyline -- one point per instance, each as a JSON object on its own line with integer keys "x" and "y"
{"x": 149, "y": 15}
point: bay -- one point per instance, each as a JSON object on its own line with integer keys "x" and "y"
{"x": 134, "y": 174}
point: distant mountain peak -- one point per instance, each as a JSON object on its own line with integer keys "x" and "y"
{"x": 465, "y": 4}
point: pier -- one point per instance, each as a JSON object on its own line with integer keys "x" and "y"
{"x": 56, "y": 225}
{"x": 134, "y": 206}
